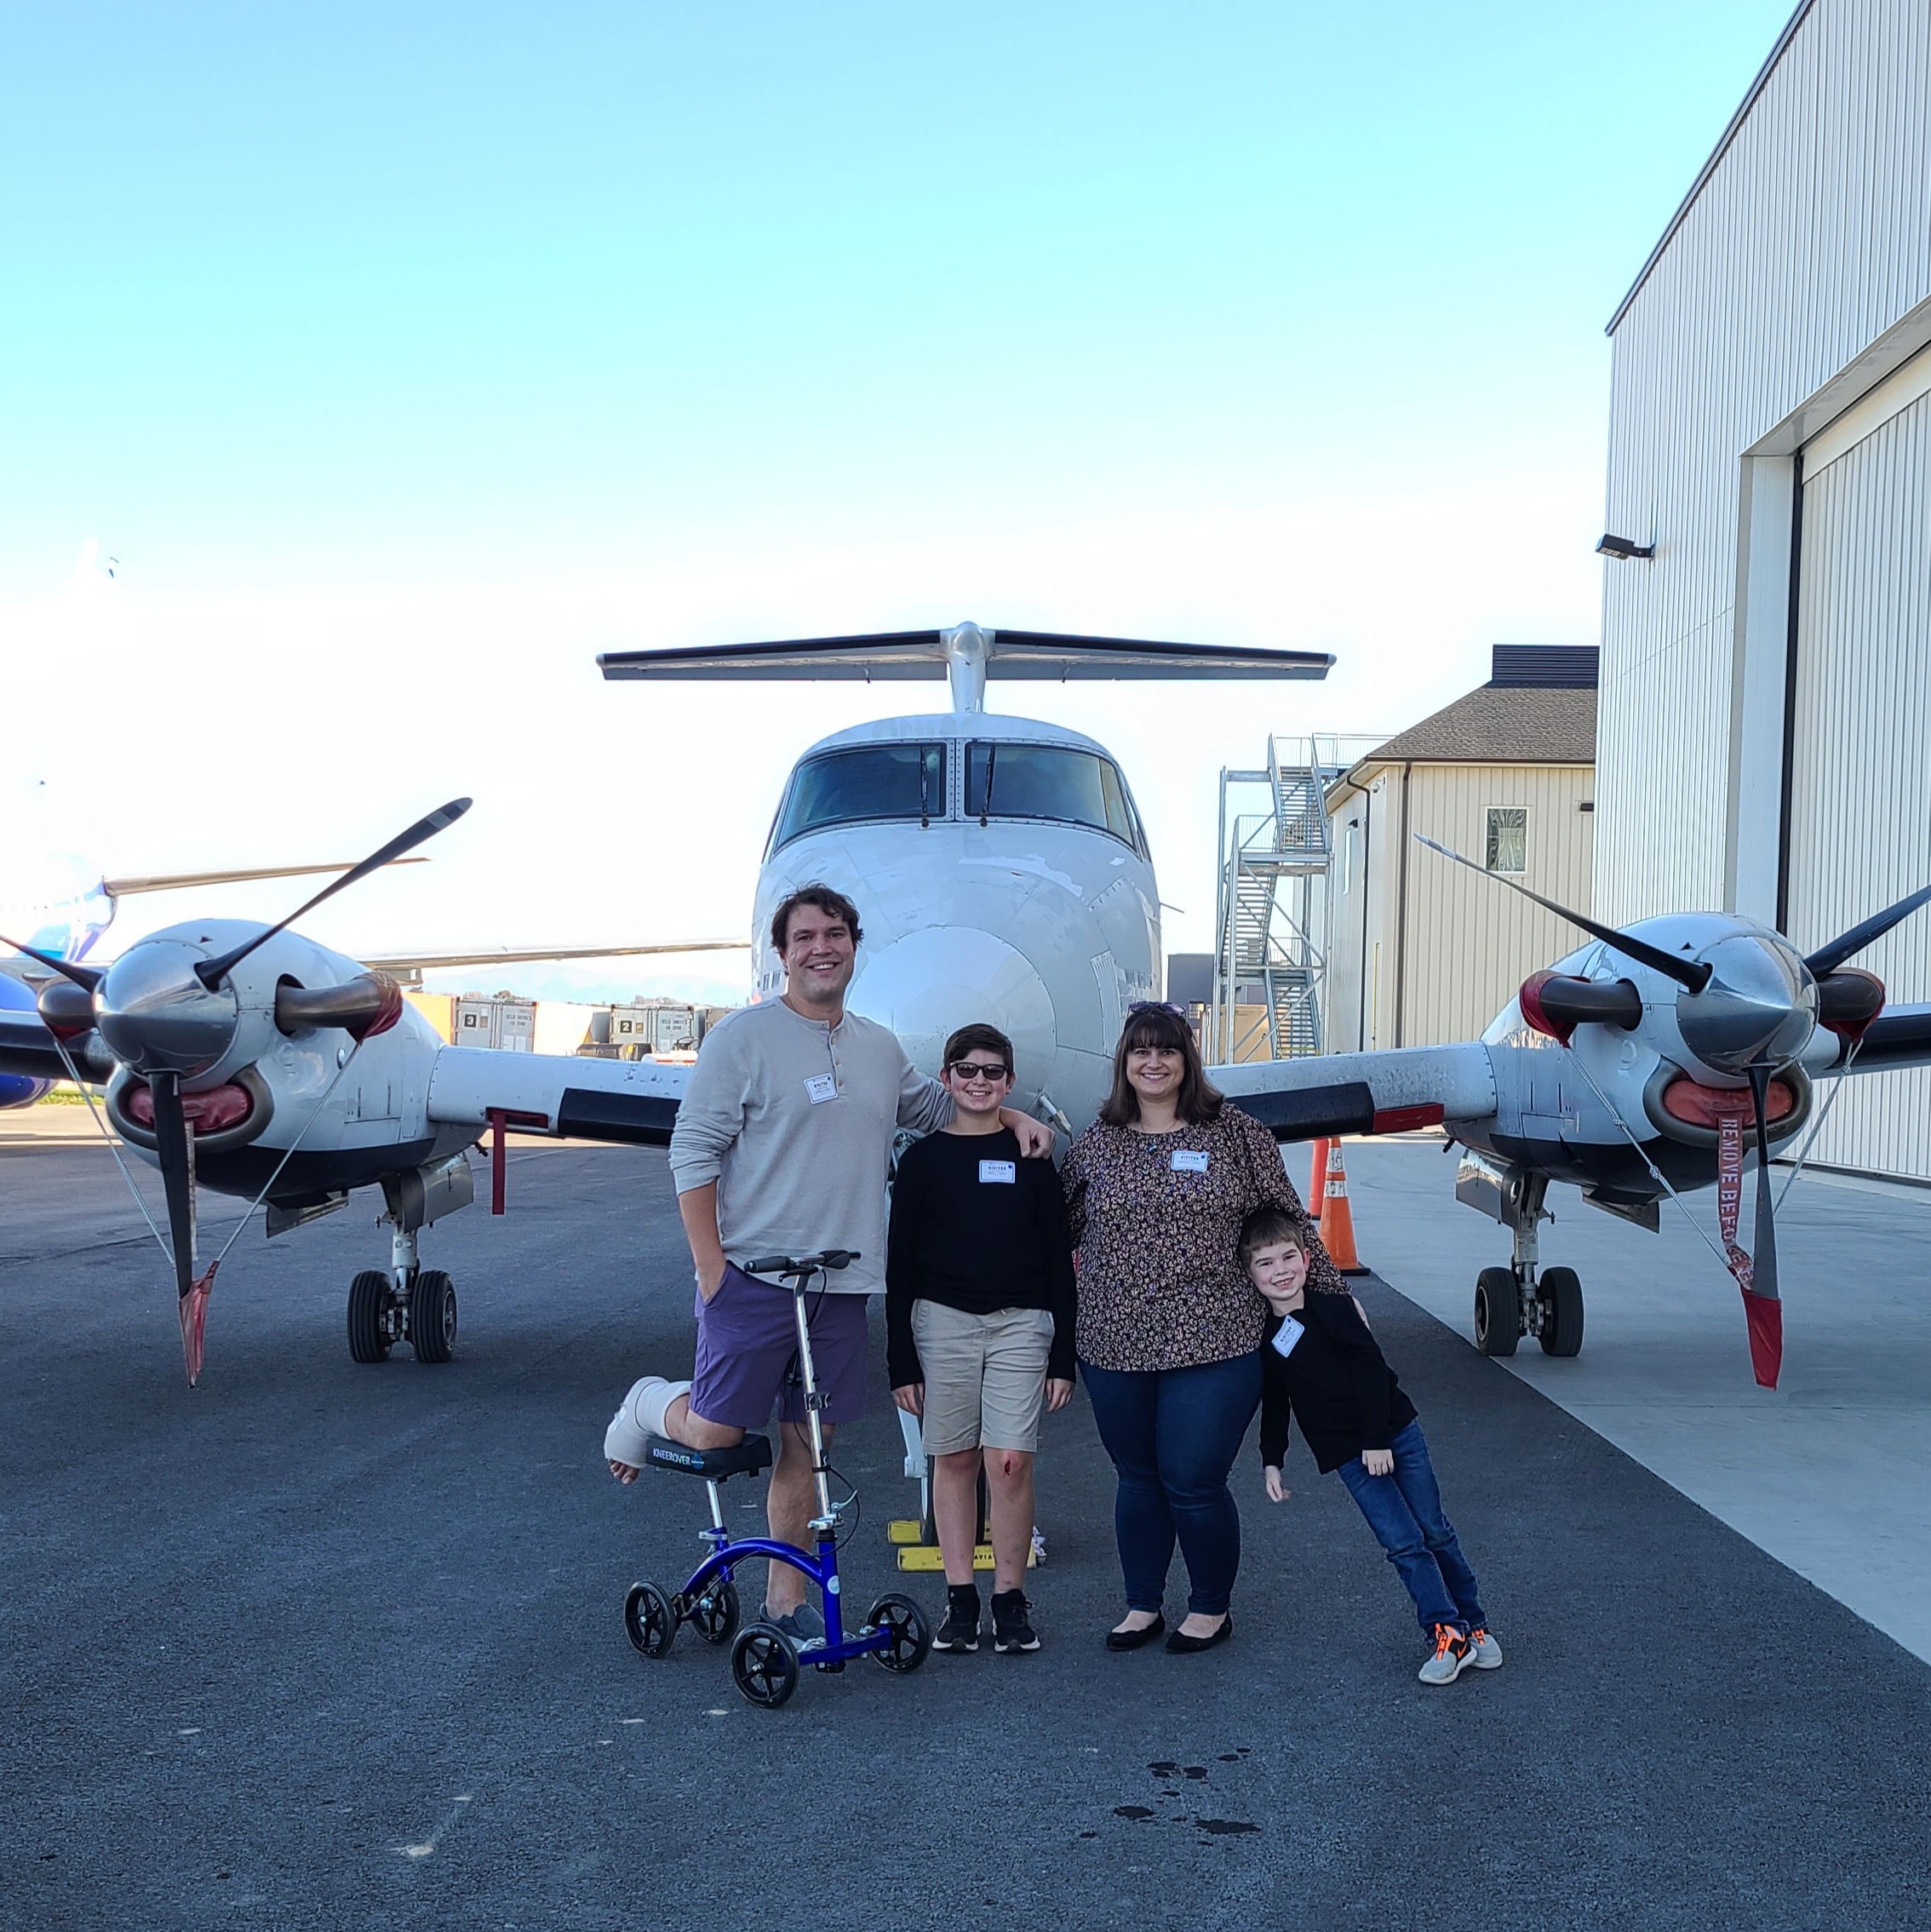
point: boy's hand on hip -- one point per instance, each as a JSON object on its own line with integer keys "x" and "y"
{"x": 1378, "y": 1462}
{"x": 911, "y": 1398}
{"x": 1035, "y": 1137}
{"x": 1272, "y": 1477}
{"x": 1058, "y": 1393}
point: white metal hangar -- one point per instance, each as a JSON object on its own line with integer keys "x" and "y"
{"x": 1765, "y": 731}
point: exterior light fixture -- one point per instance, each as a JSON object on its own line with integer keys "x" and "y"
{"x": 1622, "y": 548}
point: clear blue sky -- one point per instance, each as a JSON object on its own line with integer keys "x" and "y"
{"x": 451, "y": 345}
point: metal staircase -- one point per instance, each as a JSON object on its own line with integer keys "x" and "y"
{"x": 1272, "y": 905}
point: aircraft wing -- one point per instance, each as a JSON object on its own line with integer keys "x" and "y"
{"x": 887, "y": 655}
{"x": 632, "y": 1101}
{"x": 27, "y": 1048}
{"x": 185, "y": 881}
{"x": 507, "y": 955}
{"x": 1900, "y": 1036}
{"x": 1336, "y": 1093}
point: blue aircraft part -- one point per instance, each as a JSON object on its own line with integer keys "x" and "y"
{"x": 16, "y": 1090}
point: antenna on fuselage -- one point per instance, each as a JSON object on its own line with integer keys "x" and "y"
{"x": 966, "y": 656}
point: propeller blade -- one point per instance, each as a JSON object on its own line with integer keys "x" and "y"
{"x": 174, "y": 1144}
{"x": 211, "y": 972}
{"x": 87, "y": 975}
{"x": 1692, "y": 973}
{"x": 1763, "y": 1307}
{"x": 1847, "y": 945}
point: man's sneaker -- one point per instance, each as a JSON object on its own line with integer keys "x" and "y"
{"x": 1453, "y": 1654}
{"x": 1012, "y": 1632}
{"x": 804, "y": 1624}
{"x": 1485, "y": 1653}
{"x": 960, "y": 1630}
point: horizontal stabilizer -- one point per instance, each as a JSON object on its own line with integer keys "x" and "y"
{"x": 968, "y": 655}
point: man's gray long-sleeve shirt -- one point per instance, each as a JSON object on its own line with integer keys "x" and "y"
{"x": 794, "y": 1120}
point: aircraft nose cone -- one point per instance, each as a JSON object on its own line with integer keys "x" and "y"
{"x": 155, "y": 1014}
{"x": 929, "y": 984}
{"x": 1758, "y": 1010}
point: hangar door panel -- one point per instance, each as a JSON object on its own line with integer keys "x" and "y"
{"x": 1860, "y": 774}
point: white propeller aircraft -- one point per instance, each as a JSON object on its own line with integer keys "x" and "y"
{"x": 1003, "y": 875}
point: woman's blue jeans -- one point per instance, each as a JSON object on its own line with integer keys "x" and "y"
{"x": 1173, "y": 1434}
{"x": 1405, "y": 1512}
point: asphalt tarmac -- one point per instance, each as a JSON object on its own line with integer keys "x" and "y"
{"x": 322, "y": 1645}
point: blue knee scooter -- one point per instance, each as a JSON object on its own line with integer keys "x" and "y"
{"x": 765, "y": 1661}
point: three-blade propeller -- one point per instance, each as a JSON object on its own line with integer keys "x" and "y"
{"x": 357, "y": 1007}
{"x": 1851, "y": 1000}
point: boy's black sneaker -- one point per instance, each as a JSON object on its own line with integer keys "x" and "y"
{"x": 1011, "y": 1630}
{"x": 960, "y": 1630}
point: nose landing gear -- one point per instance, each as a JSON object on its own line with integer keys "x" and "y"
{"x": 1522, "y": 1298}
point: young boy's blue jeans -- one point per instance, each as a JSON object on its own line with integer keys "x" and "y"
{"x": 1404, "y": 1510}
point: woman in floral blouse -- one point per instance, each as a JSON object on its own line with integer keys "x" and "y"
{"x": 1169, "y": 1326}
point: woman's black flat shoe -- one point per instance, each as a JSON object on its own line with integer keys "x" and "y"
{"x": 1135, "y": 1639}
{"x": 1186, "y": 1645}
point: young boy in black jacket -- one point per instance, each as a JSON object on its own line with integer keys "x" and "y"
{"x": 979, "y": 1328}
{"x": 1322, "y": 1367}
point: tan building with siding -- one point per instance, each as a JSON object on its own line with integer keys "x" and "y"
{"x": 1422, "y": 951}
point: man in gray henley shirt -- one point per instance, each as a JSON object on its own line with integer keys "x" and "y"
{"x": 782, "y": 1144}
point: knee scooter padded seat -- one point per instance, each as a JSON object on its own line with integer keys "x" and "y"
{"x": 750, "y": 1456}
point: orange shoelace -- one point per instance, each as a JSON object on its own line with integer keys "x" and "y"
{"x": 1446, "y": 1637}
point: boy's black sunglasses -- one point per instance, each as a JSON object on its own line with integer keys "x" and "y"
{"x": 974, "y": 1070}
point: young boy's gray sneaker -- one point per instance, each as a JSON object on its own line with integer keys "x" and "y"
{"x": 1485, "y": 1653}
{"x": 960, "y": 1630}
{"x": 1012, "y": 1630}
{"x": 1452, "y": 1655}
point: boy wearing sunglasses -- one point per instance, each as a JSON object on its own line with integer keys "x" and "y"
{"x": 979, "y": 1328}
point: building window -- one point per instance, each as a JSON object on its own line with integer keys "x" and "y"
{"x": 1507, "y": 849}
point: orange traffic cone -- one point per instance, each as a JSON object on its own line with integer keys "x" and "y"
{"x": 1338, "y": 1218}
{"x": 1317, "y": 1179}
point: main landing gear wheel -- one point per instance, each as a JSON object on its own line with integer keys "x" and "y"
{"x": 648, "y": 1620}
{"x": 764, "y": 1666}
{"x": 1498, "y": 1310}
{"x": 715, "y": 1615}
{"x": 1561, "y": 1312}
{"x": 369, "y": 1339}
{"x": 911, "y": 1635}
{"x": 431, "y": 1315}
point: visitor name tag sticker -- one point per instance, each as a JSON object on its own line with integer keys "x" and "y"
{"x": 1290, "y": 1332}
{"x": 1002, "y": 1171}
{"x": 1188, "y": 1161}
{"x": 819, "y": 1088}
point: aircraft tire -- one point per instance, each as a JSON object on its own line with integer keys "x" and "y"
{"x": 1563, "y": 1331}
{"x": 1498, "y": 1311}
{"x": 368, "y": 1299}
{"x": 433, "y": 1316}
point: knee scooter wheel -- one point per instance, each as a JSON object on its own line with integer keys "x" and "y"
{"x": 764, "y": 1666}
{"x": 905, "y": 1623}
{"x": 649, "y": 1621}
{"x": 715, "y": 1615}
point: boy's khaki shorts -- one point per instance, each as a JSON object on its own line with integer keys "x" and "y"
{"x": 985, "y": 1376}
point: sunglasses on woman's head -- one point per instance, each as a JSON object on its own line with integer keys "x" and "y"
{"x": 1156, "y": 1006}
{"x": 971, "y": 1069}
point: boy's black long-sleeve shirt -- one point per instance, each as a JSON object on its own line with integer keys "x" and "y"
{"x": 963, "y": 1236}
{"x": 1336, "y": 1385}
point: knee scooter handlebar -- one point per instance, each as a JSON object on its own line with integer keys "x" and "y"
{"x": 800, "y": 1265}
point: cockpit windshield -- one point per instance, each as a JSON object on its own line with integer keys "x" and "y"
{"x": 867, "y": 782}
{"x": 1023, "y": 780}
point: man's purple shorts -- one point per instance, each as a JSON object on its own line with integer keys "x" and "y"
{"x": 747, "y": 1353}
